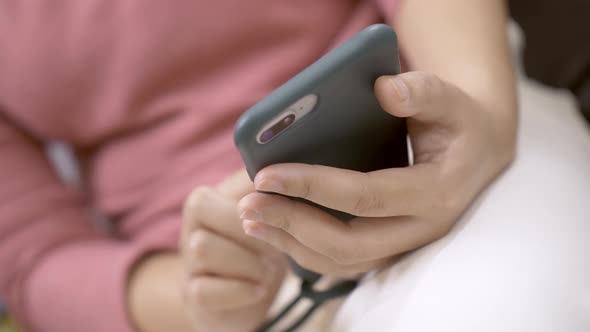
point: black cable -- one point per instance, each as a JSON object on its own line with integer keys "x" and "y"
{"x": 269, "y": 324}
{"x": 303, "y": 318}
{"x": 317, "y": 297}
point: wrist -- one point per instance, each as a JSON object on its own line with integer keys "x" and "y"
{"x": 499, "y": 103}
{"x": 154, "y": 294}
{"x": 503, "y": 119}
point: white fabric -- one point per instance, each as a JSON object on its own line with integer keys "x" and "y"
{"x": 518, "y": 260}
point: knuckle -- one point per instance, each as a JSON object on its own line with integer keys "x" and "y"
{"x": 427, "y": 86}
{"x": 200, "y": 247}
{"x": 309, "y": 182}
{"x": 433, "y": 82}
{"x": 284, "y": 223}
{"x": 198, "y": 197}
{"x": 366, "y": 203}
{"x": 196, "y": 203}
{"x": 368, "y": 200}
{"x": 199, "y": 292}
{"x": 306, "y": 187}
{"x": 449, "y": 203}
{"x": 439, "y": 229}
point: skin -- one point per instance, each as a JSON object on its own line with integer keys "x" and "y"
{"x": 461, "y": 109}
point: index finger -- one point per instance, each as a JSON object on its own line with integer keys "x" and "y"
{"x": 360, "y": 241}
{"x": 383, "y": 193}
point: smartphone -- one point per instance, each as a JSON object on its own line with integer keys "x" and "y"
{"x": 328, "y": 113}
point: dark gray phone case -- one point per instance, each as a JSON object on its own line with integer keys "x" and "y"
{"x": 348, "y": 128}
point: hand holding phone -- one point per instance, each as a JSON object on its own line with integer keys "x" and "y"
{"x": 457, "y": 150}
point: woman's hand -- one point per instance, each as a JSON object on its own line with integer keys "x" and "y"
{"x": 231, "y": 279}
{"x": 460, "y": 145}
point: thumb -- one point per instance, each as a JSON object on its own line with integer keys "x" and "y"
{"x": 421, "y": 96}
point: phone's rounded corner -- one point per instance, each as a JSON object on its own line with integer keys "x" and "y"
{"x": 381, "y": 29}
{"x": 378, "y": 27}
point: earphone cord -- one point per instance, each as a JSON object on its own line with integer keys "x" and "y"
{"x": 317, "y": 297}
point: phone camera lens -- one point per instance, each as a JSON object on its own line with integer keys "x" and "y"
{"x": 278, "y": 127}
{"x": 288, "y": 120}
{"x": 266, "y": 136}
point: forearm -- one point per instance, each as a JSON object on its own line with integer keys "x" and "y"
{"x": 463, "y": 42}
{"x": 155, "y": 297}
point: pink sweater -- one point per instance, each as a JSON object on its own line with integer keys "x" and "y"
{"x": 147, "y": 93}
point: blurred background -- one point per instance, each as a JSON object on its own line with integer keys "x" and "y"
{"x": 556, "y": 48}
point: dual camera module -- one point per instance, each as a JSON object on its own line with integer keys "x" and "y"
{"x": 287, "y": 118}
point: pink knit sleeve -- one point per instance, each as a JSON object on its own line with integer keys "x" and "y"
{"x": 57, "y": 272}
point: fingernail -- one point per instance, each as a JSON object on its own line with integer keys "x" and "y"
{"x": 251, "y": 215}
{"x": 400, "y": 88}
{"x": 269, "y": 186}
{"x": 253, "y": 228}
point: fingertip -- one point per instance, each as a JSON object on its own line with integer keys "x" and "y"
{"x": 266, "y": 172}
{"x": 270, "y": 185}
{"x": 275, "y": 171}
{"x": 247, "y": 224}
{"x": 267, "y": 181}
{"x": 383, "y": 82}
{"x": 254, "y": 229}
{"x": 392, "y": 92}
{"x": 381, "y": 88}
{"x": 399, "y": 86}
{"x": 253, "y": 203}
{"x": 243, "y": 203}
